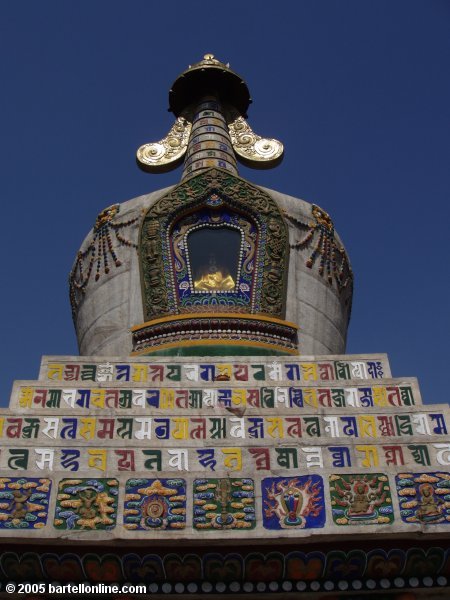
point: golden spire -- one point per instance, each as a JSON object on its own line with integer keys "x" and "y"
{"x": 210, "y": 103}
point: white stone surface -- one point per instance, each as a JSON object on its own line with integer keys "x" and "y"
{"x": 113, "y": 304}
{"x": 315, "y": 452}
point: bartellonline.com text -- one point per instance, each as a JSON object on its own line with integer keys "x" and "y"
{"x": 73, "y": 588}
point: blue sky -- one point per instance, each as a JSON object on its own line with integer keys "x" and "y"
{"x": 358, "y": 91}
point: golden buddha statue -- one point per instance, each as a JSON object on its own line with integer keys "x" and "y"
{"x": 214, "y": 280}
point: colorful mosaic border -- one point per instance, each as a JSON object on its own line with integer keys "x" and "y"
{"x": 159, "y": 296}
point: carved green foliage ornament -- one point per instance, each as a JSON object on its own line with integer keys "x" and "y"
{"x": 269, "y": 281}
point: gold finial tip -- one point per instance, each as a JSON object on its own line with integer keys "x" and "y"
{"x": 209, "y": 60}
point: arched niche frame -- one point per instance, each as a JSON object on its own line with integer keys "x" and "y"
{"x": 214, "y": 199}
{"x": 214, "y": 252}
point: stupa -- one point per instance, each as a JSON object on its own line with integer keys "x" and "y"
{"x": 213, "y": 437}
{"x": 213, "y": 216}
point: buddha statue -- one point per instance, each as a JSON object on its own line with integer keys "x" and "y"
{"x": 215, "y": 279}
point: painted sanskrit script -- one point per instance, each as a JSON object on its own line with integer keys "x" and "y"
{"x": 317, "y": 371}
{"x": 221, "y": 458}
{"x": 272, "y": 427}
{"x": 168, "y": 398}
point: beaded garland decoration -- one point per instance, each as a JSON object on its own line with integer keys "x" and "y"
{"x": 222, "y": 327}
{"x": 215, "y": 218}
{"x": 100, "y": 252}
{"x": 333, "y": 259}
{"x": 242, "y": 205}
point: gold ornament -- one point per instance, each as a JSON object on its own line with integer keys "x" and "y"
{"x": 251, "y": 148}
{"x": 158, "y": 157}
{"x": 214, "y": 282}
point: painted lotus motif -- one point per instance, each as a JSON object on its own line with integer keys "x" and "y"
{"x": 155, "y": 504}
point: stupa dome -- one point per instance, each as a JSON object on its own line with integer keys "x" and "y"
{"x": 108, "y": 302}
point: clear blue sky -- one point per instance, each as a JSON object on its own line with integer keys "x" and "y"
{"x": 358, "y": 91}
